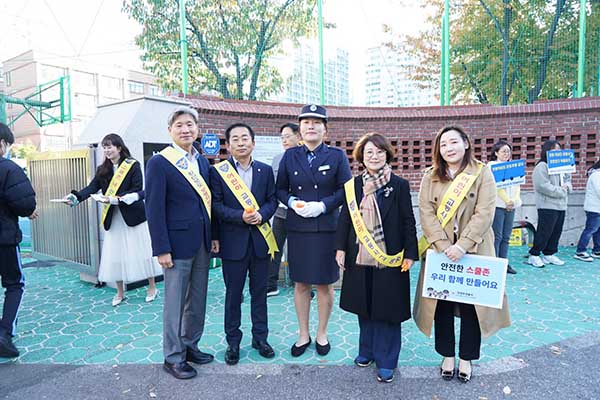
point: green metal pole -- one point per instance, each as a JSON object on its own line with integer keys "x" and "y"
{"x": 183, "y": 45}
{"x": 581, "y": 59}
{"x": 321, "y": 60}
{"x": 3, "y": 116}
{"x": 443, "y": 65}
{"x": 447, "y": 44}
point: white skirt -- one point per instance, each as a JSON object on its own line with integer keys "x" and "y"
{"x": 126, "y": 252}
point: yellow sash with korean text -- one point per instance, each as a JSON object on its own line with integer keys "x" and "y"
{"x": 363, "y": 234}
{"x": 182, "y": 164}
{"x": 245, "y": 197}
{"x": 451, "y": 200}
{"x": 115, "y": 183}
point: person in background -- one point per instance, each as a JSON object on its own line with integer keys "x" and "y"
{"x": 591, "y": 205}
{"x": 507, "y": 201}
{"x": 290, "y": 137}
{"x": 377, "y": 293}
{"x": 17, "y": 199}
{"x": 311, "y": 181}
{"x": 126, "y": 255}
{"x": 468, "y": 231}
{"x": 551, "y": 195}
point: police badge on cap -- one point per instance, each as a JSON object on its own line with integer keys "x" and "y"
{"x": 313, "y": 111}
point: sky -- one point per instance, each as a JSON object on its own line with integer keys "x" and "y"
{"x": 97, "y": 31}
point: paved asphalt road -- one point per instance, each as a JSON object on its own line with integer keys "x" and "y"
{"x": 566, "y": 370}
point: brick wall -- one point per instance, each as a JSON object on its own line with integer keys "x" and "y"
{"x": 573, "y": 122}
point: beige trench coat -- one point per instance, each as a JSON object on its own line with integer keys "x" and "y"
{"x": 474, "y": 222}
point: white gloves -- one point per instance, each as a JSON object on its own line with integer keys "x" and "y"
{"x": 113, "y": 201}
{"x": 311, "y": 209}
{"x": 129, "y": 198}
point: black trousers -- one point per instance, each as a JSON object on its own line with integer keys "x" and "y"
{"x": 280, "y": 233}
{"x": 234, "y": 275}
{"x": 470, "y": 333}
{"x": 13, "y": 282}
{"x": 549, "y": 229}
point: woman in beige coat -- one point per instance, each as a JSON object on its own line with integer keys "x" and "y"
{"x": 469, "y": 232}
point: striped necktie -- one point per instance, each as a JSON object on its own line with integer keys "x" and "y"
{"x": 311, "y": 156}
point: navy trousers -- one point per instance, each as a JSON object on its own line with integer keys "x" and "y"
{"x": 234, "y": 275}
{"x": 13, "y": 281}
{"x": 380, "y": 341}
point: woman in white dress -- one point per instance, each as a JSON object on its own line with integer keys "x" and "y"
{"x": 126, "y": 252}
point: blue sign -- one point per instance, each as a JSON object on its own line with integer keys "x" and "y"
{"x": 509, "y": 173}
{"x": 473, "y": 279}
{"x": 210, "y": 144}
{"x": 561, "y": 161}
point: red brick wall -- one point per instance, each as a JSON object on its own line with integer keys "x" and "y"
{"x": 573, "y": 122}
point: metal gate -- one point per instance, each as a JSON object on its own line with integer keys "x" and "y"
{"x": 62, "y": 232}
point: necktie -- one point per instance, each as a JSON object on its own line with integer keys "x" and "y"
{"x": 311, "y": 156}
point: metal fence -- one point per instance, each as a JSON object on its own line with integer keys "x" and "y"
{"x": 62, "y": 232}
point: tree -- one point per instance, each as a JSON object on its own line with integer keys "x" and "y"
{"x": 229, "y": 42}
{"x": 507, "y": 51}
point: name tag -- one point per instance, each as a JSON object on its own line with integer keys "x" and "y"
{"x": 324, "y": 167}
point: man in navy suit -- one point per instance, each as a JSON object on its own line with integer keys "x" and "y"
{"x": 180, "y": 229}
{"x": 244, "y": 250}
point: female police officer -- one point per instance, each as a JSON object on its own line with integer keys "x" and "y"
{"x": 311, "y": 181}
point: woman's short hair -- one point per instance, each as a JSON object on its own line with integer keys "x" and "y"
{"x": 379, "y": 141}
{"x": 440, "y": 167}
{"x": 547, "y": 146}
{"x": 496, "y": 148}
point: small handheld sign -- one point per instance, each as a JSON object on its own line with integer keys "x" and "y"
{"x": 210, "y": 144}
{"x": 561, "y": 161}
{"x": 509, "y": 173}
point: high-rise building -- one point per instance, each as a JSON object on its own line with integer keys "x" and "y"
{"x": 302, "y": 83}
{"x": 388, "y": 82}
{"x": 90, "y": 86}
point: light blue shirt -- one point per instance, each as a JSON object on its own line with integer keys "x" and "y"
{"x": 192, "y": 158}
{"x": 245, "y": 173}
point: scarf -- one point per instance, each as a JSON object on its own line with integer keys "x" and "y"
{"x": 370, "y": 213}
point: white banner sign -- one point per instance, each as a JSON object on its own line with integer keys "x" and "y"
{"x": 473, "y": 279}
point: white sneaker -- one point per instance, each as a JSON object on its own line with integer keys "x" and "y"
{"x": 536, "y": 261}
{"x": 595, "y": 254}
{"x": 583, "y": 256}
{"x": 552, "y": 260}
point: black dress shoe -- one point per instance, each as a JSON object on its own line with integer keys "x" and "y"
{"x": 297, "y": 351}
{"x": 511, "y": 270}
{"x": 264, "y": 348}
{"x": 198, "y": 357}
{"x": 181, "y": 370}
{"x": 7, "y": 348}
{"x": 232, "y": 355}
{"x": 322, "y": 349}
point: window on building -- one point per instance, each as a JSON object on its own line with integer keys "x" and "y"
{"x": 136, "y": 87}
{"x": 111, "y": 87}
{"x": 7, "y": 79}
{"x": 84, "y": 81}
{"x": 50, "y": 73}
{"x": 154, "y": 90}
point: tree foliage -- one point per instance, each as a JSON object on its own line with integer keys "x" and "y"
{"x": 229, "y": 42}
{"x": 507, "y": 51}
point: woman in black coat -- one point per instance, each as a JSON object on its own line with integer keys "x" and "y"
{"x": 378, "y": 293}
{"x": 126, "y": 252}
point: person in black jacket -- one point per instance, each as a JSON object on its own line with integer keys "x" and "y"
{"x": 378, "y": 293}
{"x": 17, "y": 199}
{"x": 126, "y": 252}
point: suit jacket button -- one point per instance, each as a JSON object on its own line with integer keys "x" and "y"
{"x": 295, "y": 172}
{"x": 299, "y": 187}
{"x": 316, "y": 186}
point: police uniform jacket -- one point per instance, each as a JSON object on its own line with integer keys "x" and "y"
{"x": 324, "y": 181}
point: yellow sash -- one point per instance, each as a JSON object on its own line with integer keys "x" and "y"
{"x": 115, "y": 183}
{"x": 245, "y": 197}
{"x": 182, "y": 164}
{"x": 451, "y": 200}
{"x": 363, "y": 234}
